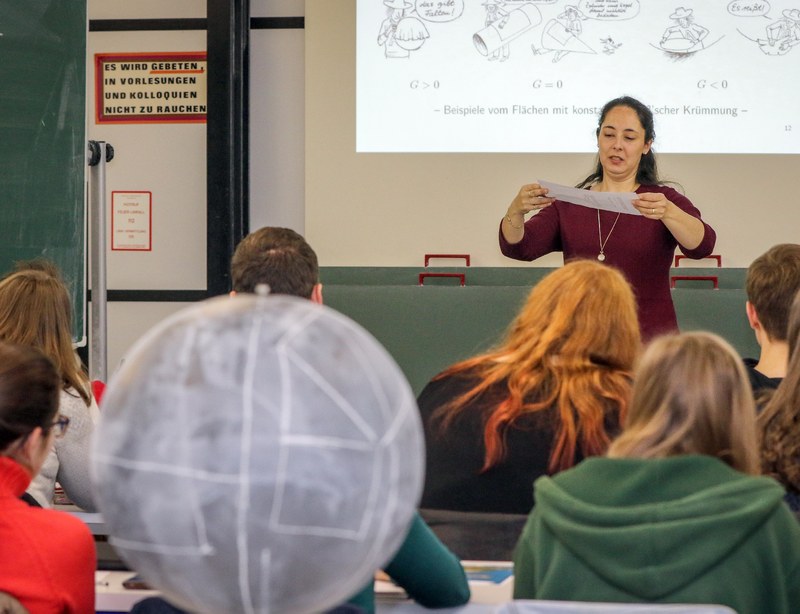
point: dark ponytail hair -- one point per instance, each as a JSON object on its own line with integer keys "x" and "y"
{"x": 647, "y": 173}
{"x": 29, "y": 392}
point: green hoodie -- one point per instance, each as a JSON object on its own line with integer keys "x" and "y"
{"x": 686, "y": 529}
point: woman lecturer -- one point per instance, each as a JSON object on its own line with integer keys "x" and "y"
{"x": 641, "y": 247}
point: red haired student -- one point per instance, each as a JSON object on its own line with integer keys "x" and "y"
{"x": 47, "y": 558}
{"x": 553, "y": 393}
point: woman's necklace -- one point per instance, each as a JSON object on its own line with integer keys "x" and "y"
{"x": 601, "y": 256}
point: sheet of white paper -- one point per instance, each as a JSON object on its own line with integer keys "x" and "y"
{"x": 101, "y": 577}
{"x": 607, "y": 201}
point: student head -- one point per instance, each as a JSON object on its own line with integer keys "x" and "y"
{"x": 778, "y": 422}
{"x": 29, "y": 390}
{"x": 35, "y": 311}
{"x": 576, "y": 338}
{"x": 277, "y": 444}
{"x": 38, "y": 264}
{"x": 562, "y": 318}
{"x": 279, "y": 258}
{"x": 691, "y": 396}
{"x": 773, "y": 279}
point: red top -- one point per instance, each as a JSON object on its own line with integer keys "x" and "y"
{"x": 47, "y": 558}
{"x": 640, "y": 248}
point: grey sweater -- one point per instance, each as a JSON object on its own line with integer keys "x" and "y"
{"x": 68, "y": 461}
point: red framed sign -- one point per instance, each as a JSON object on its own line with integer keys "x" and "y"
{"x": 150, "y": 87}
{"x": 132, "y": 221}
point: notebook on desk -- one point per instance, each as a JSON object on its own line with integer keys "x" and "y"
{"x": 490, "y": 582}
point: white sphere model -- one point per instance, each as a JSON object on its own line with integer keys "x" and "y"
{"x": 258, "y": 454}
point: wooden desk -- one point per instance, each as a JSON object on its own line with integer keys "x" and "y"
{"x": 111, "y": 596}
{"x": 413, "y": 608}
{"x": 489, "y": 583}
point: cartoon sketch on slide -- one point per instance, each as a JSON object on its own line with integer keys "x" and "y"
{"x": 400, "y": 33}
{"x": 502, "y": 26}
{"x": 785, "y": 33}
{"x": 610, "y": 46}
{"x": 684, "y": 36}
{"x": 563, "y": 35}
{"x": 497, "y": 17}
{"x": 781, "y": 35}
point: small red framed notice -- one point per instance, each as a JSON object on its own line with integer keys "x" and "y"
{"x": 150, "y": 87}
{"x": 131, "y": 221}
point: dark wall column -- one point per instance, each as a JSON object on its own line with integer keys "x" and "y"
{"x": 227, "y": 140}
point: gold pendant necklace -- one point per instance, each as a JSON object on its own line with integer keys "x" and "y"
{"x": 602, "y": 256}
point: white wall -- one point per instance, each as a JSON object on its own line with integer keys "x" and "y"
{"x": 277, "y": 120}
{"x": 390, "y": 209}
{"x": 170, "y": 159}
{"x": 166, "y": 159}
{"x": 146, "y": 9}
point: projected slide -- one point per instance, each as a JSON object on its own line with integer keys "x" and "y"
{"x": 531, "y": 76}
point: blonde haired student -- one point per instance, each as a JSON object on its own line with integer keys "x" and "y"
{"x": 676, "y": 512}
{"x": 35, "y": 311}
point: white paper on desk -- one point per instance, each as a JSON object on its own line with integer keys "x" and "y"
{"x": 387, "y": 588}
{"x": 101, "y": 577}
{"x": 618, "y": 202}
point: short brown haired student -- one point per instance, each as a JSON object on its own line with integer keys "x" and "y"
{"x": 35, "y": 311}
{"x": 780, "y": 423}
{"x": 551, "y": 394}
{"x": 676, "y": 512}
{"x": 772, "y": 281}
{"x": 279, "y": 258}
{"x": 47, "y": 558}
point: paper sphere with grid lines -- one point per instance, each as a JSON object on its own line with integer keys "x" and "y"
{"x": 258, "y": 454}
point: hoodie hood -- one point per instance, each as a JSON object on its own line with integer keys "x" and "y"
{"x": 650, "y": 526}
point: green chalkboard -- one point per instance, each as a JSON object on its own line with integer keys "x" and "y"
{"x": 43, "y": 139}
